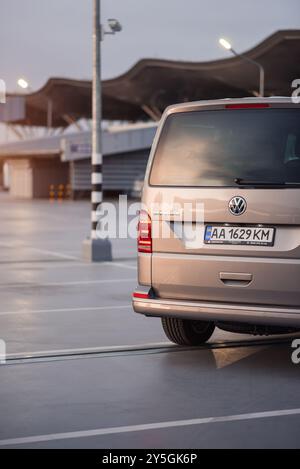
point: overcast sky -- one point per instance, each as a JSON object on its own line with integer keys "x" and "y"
{"x": 43, "y": 38}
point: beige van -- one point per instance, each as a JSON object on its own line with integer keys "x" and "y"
{"x": 235, "y": 165}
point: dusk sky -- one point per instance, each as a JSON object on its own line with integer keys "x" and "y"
{"x": 42, "y": 38}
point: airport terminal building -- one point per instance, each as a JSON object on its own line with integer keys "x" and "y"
{"x": 57, "y": 160}
{"x": 43, "y": 167}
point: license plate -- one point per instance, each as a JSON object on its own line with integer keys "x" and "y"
{"x": 249, "y": 235}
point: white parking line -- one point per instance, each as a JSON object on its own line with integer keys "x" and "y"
{"x": 54, "y": 253}
{"x": 52, "y": 264}
{"x": 64, "y": 284}
{"x": 64, "y": 310}
{"x": 120, "y": 264}
{"x": 72, "y": 258}
{"x": 5, "y": 245}
{"x": 148, "y": 426}
{"x": 42, "y": 251}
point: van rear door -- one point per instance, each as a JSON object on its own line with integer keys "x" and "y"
{"x": 205, "y": 163}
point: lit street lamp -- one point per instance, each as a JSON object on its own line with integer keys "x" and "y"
{"x": 22, "y": 83}
{"x": 95, "y": 249}
{"x": 224, "y": 43}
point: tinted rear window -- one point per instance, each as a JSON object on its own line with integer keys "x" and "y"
{"x": 213, "y": 148}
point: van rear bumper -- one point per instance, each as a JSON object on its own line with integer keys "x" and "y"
{"x": 209, "y": 311}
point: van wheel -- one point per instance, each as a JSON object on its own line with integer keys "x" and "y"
{"x": 187, "y": 332}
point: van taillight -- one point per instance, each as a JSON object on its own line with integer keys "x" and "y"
{"x": 144, "y": 296}
{"x": 144, "y": 233}
{"x": 247, "y": 106}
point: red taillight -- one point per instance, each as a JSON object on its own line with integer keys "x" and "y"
{"x": 144, "y": 233}
{"x": 247, "y": 106}
{"x": 140, "y": 295}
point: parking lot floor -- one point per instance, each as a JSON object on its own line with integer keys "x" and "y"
{"x": 157, "y": 396}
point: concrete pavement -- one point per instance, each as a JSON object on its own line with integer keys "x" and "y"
{"x": 51, "y": 300}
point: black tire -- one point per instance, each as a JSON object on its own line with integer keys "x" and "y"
{"x": 187, "y": 332}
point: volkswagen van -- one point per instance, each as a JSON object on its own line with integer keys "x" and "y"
{"x": 229, "y": 171}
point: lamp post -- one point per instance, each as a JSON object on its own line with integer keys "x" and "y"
{"x": 224, "y": 43}
{"x": 94, "y": 248}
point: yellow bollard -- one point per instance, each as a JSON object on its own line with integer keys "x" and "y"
{"x": 51, "y": 193}
{"x": 60, "y": 193}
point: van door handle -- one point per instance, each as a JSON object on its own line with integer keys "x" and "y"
{"x": 235, "y": 278}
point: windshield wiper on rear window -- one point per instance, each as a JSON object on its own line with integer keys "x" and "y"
{"x": 245, "y": 182}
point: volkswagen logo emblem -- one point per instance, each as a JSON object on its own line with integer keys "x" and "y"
{"x": 237, "y": 205}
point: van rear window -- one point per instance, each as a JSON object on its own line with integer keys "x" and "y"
{"x": 213, "y": 148}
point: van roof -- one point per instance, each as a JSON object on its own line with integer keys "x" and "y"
{"x": 221, "y": 103}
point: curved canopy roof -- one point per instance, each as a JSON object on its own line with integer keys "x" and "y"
{"x": 151, "y": 84}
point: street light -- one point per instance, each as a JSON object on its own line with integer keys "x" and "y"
{"x": 22, "y": 83}
{"x": 226, "y": 44}
{"x": 95, "y": 249}
{"x": 114, "y": 25}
